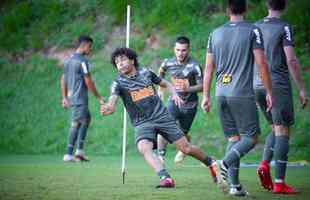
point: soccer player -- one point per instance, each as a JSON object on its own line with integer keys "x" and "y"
{"x": 232, "y": 50}
{"x": 75, "y": 83}
{"x": 279, "y": 49}
{"x": 135, "y": 86}
{"x": 186, "y": 77}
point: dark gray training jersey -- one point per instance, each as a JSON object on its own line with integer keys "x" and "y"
{"x": 75, "y": 68}
{"x": 139, "y": 96}
{"x": 232, "y": 46}
{"x": 276, "y": 34}
{"x": 188, "y": 74}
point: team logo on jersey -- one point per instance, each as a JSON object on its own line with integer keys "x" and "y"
{"x": 257, "y": 34}
{"x": 287, "y": 33}
{"x": 180, "y": 83}
{"x": 137, "y": 95}
{"x": 226, "y": 79}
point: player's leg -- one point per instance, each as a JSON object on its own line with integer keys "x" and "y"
{"x": 185, "y": 120}
{"x": 145, "y": 137}
{"x": 161, "y": 141}
{"x": 244, "y": 112}
{"x": 80, "y": 154}
{"x": 283, "y": 117}
{"x": 172, "y": 133}
{"x": 72, "y": 135}
{"x": 263, "y": 170}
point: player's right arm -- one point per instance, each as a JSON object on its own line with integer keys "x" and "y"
{"x": 161, "y": 73}
{"x": 261, "y": 61}
{"x": 64, "y": 92}
{"x": 109, "y": 107}
{"x": 207, "y": 80}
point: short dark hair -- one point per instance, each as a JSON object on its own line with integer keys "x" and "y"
{"x": 237, "y": 7}
{"x": 182, "y": 40}
{"x": 278, "y": 5}
{"x": 85, "y": 38}
{"x": 129, "y": 53}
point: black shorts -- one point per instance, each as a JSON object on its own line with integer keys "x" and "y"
{"x": 283, "y": 107}
{"x": 79, "y": 113}
{"x": 165, "y": 126}
{"x": 238, "y": 115}
{"x": 183, "y": 116}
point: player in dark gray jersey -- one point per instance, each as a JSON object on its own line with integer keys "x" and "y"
{"x": 75, "y": 83}
{"x": 279, "y": 49}
{"x": 135, "y": 86}
{"x": 186, "y": 76}
{"x": 232, "y": 50}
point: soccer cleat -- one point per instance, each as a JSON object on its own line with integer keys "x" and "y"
{"x": 81, "y": 158}
{"x": 263, "y": 172}
{"x": 166, "y": 183}
{"x": 179, "y": 157}
{"x": 238, "y": 191}
{"x": 222, "y": 176}
{"x": 68, "y": 158}
{"x": 282, "y": 188}
{"x": 213, "y": 171}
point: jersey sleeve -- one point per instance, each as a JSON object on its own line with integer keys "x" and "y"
{"x": 198, "y": 74}
{"x": 85, "y": 67}
{"x": 257, "y": 39}
{"x": 287, "y": 38}
{"x": 115, "y": 88}
{"x": 210, "y": 45}
{"x": 154, "y": 78}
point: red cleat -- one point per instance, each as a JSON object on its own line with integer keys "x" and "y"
{"x": 166, "y": 183}
{"x": 282, "y": 188}
{"x": 81, "y": 158}
{"x": 263, "y": 172}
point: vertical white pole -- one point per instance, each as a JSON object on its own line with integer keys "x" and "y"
{"x": 125, "y": 115}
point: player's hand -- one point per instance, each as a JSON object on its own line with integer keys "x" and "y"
{"x": 269, "y": 101}
{"x": 105, "y": 109}
{"x": 303, "y": 99}
{"x": 181, "y": 87}
{"x": 206, "y": 104}
{"x": 65, "y": 103}
{"x": 177, "y": 100}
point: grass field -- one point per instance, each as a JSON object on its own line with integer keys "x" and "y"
{"x": 47, "y": 177}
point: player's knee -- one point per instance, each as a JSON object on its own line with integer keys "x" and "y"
{"x": 186, "y": 149}
{"x": 75, "y": 124}
{"x": 144, "y": 146}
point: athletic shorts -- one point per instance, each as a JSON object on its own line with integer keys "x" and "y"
{"x": 283, "y": 107}
{"x": 165, "y": 126}
{"x": 238, "y": 115}
{"x": 183, "y": 116}
{"x": 79, "y": 112}
{"x": 260, "y": 97}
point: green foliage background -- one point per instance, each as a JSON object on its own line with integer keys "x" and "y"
{"x": 32, "y": 119}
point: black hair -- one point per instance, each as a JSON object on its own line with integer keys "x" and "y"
{"x": 182, "y": 40}
{"x": 278, "y": 5}
{"x": 85, "y": 38}
{"x": 129, "y": 53}
{"x": 237, "y": 7}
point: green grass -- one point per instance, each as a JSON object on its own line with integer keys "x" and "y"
{"x": 47, "y": 177}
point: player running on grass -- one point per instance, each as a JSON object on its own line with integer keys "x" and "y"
{"x": 135, "y": 85}
{"x": 232, "y": 49}
{"x": 186, "y": 77}
{"x": 75, "y": 83}
{"x": 279, "y": 49}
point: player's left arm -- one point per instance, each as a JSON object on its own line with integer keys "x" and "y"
{"x": 294, "y": 68}
{"x": 293, "y": 64}
{"x": 174, "y": 95}
{"x": 199, "y": 80}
